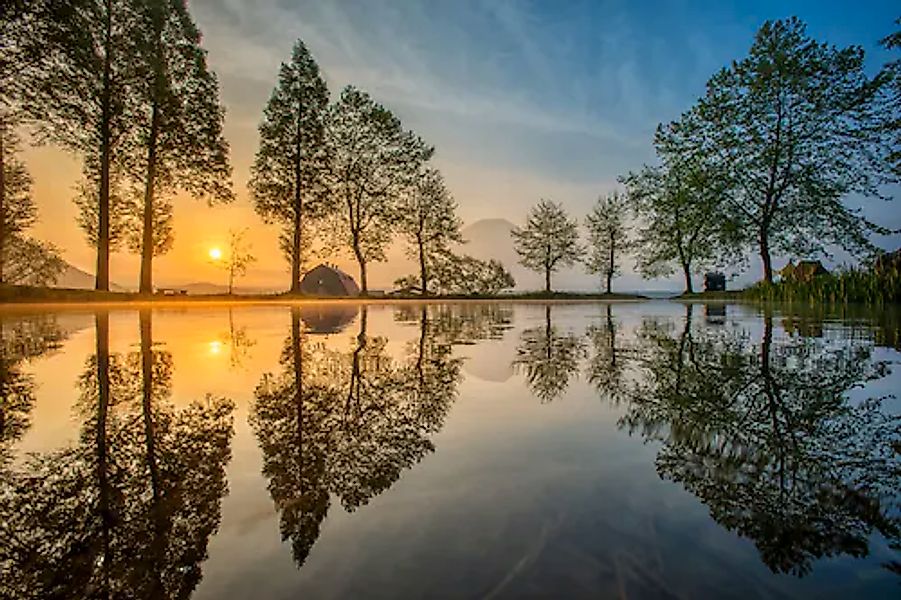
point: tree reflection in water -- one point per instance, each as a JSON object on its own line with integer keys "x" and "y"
{"x": 128, "y": 509}
{"x": 549, "y": 358}
{"x": 348, "y": 422}
{"x": 764, "y": 434}
{"x": 607, "y": 365}
{"x": 21, "y": 339}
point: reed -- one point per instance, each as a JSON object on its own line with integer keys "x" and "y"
{"x": 858, "y": 286}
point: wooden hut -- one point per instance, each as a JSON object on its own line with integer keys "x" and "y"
{"x": 328, "y": 280}
{"x": 805, "y": 271}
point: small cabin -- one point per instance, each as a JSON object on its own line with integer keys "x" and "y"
{"x": 328, "y": 280}
{"x": 714, "y": 282}
{"x": 805, "y": 271}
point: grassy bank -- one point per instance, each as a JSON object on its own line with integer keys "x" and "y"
{"x": 846, "y": 287}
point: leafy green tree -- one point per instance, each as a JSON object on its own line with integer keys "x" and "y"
{"x": 549, "y": 240}
{"x": 373, "y": 161}
{"x": 429, "y": 223}
{"x": 679, "y": 207}
{"x": 287, "y": 174}
{"x": 608, "y": 236}
{"x": 464, "y": 275}
{"x": 176, "y": 126}
{"x": 84, "y": 99}
{"x": 794, "y": 127}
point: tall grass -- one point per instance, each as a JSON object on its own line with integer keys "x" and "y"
{"x": 844, "y": 287}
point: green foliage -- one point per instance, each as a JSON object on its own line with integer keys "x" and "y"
{"x": 288, "y": 174}
{"x": 864, "y": 286}
{"x": 608, "y": 237}
{"x": 549, "y": 240}
{"x": 680, "y": 209}
{"x": 892, "y": 73}
{"x": 548, "y": 358}
{"x": 373, "y": 161}
{"x": 793, "y": 128}
{"x": 429, "y": 223}
{"x": 460, "y": 275}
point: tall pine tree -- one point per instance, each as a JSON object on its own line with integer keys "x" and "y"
{"x": 286, "y": 177}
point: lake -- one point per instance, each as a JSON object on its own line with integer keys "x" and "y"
{"x": 491, "y": 450}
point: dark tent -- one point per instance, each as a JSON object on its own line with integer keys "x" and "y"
{"x": 328, "y": 280}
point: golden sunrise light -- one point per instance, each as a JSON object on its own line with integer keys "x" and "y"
{"x": 215, "y": 254}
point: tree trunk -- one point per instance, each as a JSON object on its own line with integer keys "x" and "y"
{"x": 547, "y": 280}
{"x": 424, "y": 278}
{"x": 297, "y": 358}
{"x": 295, "y": 248}
{"x": 361, "y": 260}
{"x": 103, "y": 229}
{"x": 610, "y": 266}
{"x": 159, "y": 542}
{"x": 765, "y": 255}
{"x": 146, "y": 285}
{"x": 298, "y": 209}
{"x": 101, "y": 324}
{"x": 686, "y": 270}
{"x": 2, "y": 197}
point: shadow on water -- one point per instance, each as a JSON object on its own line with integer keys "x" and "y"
{"x": 129, "y": 508}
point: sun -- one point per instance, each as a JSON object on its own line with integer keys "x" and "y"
{"x": 215, "y": 253}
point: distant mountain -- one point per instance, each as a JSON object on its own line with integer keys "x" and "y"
{"x": 75, "y": 279}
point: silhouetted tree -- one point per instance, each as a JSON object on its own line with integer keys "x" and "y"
{"x": 177, "y": 126}
{"x": 373, "y": 160}
{"x": 287, "y": 174}
{"x": 549, "y": 358}
{"x": 549, "y": 241}
{"x": 84, "y": 99}
{"x": 238, "y": 257}
{"x": 608, "y": 237}
{"x": 794, "y": 126}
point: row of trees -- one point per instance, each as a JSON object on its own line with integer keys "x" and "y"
{"x": 123, "y": 84}
{"x": 346, "y": 175}
{"x": 762, "y": 162}
{"x": 550, "y": 241}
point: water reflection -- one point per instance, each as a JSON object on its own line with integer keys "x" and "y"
{"x": 760, "y": 418}
{"x": 348, "y": 421}
{"x": 764, "y": 434}
{"x": 549, "y": 358}
{"x": 129, "y": 508}
{"x": 21, "y": 339}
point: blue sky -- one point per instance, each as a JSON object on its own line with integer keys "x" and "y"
{"x": 522, "y": 99}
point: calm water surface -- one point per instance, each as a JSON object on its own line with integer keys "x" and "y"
{"x": 649, "y": 450}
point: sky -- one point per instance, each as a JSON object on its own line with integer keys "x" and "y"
{"x": 522, "y": 101}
